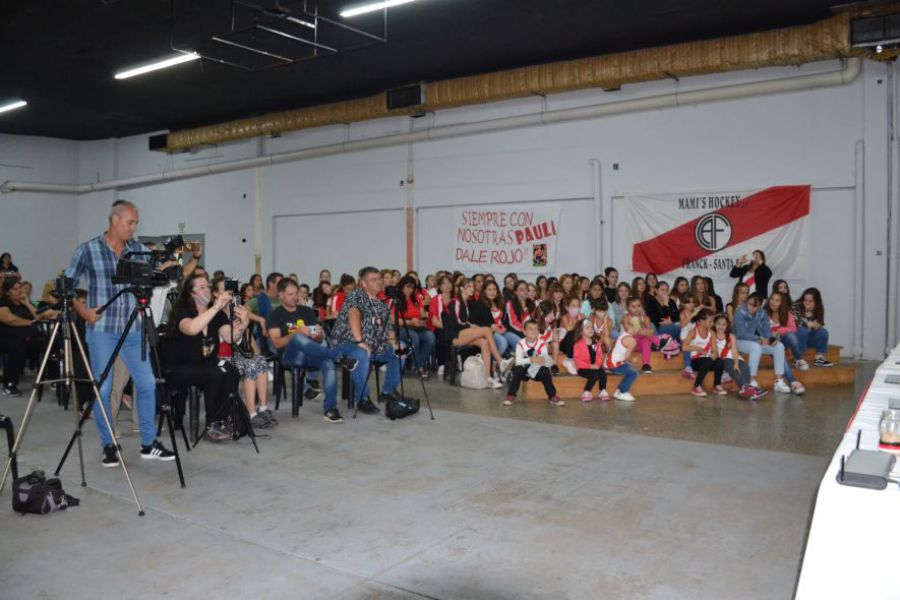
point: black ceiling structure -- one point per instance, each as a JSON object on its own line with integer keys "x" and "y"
{"x": 61, "y": 56}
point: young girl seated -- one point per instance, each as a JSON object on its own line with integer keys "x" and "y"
{"x": 810, "y": 315}
{"x": 726, "y": 351}
{"x": 589, "y": 362}
{"x": 569, "y": 333}
{"x": 689, "y": 308}
{"x": 642, "y": 329}
{"x": 532, "y": 362}
{"x": 782, "y": 324}
{"x": 699, "y": 344}
{"x": 617, "y": 360}
{"x": 548, "y": 319}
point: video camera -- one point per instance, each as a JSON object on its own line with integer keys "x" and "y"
{"x": 147, "y": 273}
{"x": 64, "y": 288}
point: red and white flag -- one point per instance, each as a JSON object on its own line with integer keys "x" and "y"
{"x": 705, "y": 233}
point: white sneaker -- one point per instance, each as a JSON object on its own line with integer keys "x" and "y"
{"x": 440, "y": 371}
{"x": 603, "y": 396}
{"x": 493, "y": 383}
{"x": 569, "y": 364}
{"x": 586, "y": 396}
{"x": 754, "y": 384}
{"x": 781, "y": 386}
{"x": 506, "y": 364}
{"x": 801, "y": 365}
{"x": 797, "y": 388}
{"x": 623, "y": 396}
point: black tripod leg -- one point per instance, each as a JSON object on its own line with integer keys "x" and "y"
{"x": 239, "y": 409}
{"x": 170, "y": 420}
{"x": 88, "y": 407}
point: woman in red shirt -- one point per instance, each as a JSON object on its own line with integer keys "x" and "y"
{"x": 413, "y": 323}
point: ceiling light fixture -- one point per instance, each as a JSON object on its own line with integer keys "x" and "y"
{"x": 162, "y": 64}
{"x": 12, "y": 106}
{"x": 374, "y": 6}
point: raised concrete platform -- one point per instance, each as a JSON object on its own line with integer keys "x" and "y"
{"x": 666, "y": 378}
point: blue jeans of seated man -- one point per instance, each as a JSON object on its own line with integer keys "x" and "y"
{"x": 101, "y": 346}
{"x": 511, "y": 340}
{"x": 816, "y": 339}
{"x": 360, "y": 374}
{"x": 304, "y": 352}
{"x": 755, "y": 350}
{"x": 422, "y": 343}
{"x": 630, "y": 375}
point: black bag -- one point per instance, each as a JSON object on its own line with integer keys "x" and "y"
{"x": 401, "y": 408}
{"x": 36, "y": 494}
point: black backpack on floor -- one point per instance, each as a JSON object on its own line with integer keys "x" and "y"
{"x": 401, "y": 408}
{"x": 35, "y": 494}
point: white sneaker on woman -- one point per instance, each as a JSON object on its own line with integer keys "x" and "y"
{"x": 623, "y": 396}
{"x": 797, "y": 388}
{"x": 781, "y": 386}
{"x": 494, "y": 384}
{"x": 506, "y": 364}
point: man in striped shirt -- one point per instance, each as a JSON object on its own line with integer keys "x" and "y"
{"x": 95, "y": 261}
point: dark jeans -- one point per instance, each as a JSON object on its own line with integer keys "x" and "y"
{"x": 12, "y": 344}
{"x": 520, "y": 372}
{"x": 215, "y": 381}
{"x": 593, "y": 376}
{"x": 704, "y": 365}
{"x": 741, "y": 378}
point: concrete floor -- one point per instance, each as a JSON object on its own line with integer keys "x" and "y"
{"x": 667, "y": 498}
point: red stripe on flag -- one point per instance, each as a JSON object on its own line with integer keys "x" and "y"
{"x": 754, "y": 215}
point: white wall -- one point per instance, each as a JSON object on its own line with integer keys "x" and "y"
{"x": 797, "y": 138}
{"x": 38, "y": 229}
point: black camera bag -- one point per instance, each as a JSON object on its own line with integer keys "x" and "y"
{"x": 33, "y": 493}
{"x": 401, "y": 408}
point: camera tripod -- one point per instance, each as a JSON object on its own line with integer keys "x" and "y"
{"x": 396, "y": 297}
{"x": 65, "y": 323}
{"x": 149, "y": 338}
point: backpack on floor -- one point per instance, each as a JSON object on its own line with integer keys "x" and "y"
{"x": 473, "y": 376}
{"x": 35, "y": 494}
{"x": 401, "y": 408}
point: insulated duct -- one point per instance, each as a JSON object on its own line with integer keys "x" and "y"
{"x": 792, "y": 46}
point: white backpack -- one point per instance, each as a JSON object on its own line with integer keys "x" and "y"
{"x": 473, "y": 376}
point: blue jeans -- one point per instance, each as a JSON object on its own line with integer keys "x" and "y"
{"x": 101, "y": 347}
{"x": 422, "y": 343}
{"x": 672, "y": 329}
{"x": 511, "y": 339}
{"x": 304, "y": 352}
{"x": 501, "y": 342}
{"x": 754, "y": 350}
{"x": 817, "y": 339}
{"x": 792, "y": 343}
{"x": 630, "y": 374}
{"x": 360, "y": 375}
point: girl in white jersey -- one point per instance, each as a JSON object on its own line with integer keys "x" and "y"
{"x": 702, "y": 347}
{"x": 726, "y": 349}
{"x": 617, "y": 360}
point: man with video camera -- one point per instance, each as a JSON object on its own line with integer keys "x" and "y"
{"x": 96, "y": 260}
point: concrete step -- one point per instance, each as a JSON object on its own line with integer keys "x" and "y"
{"x": 671, "y": 382}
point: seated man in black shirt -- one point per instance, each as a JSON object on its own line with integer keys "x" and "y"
{"x": 296, "y": 334}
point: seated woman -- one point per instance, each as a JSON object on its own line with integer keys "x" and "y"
{"x": 783, "y": 326}
{"x": 619, "y": 307}
{"x": 732, "y": 363}
{"x": 461, "y": 332}
{"x": 17, "y": 317}
{"x": 412, "y": 323}
{"x": 663, "y": 313}
{"x": 492, "y": 299}
{"x": 700, "y": 293}
{"x": 811, "y": 333}
{"x": 701, "y": 346}
{"x": 738, "y": 296}
{"x": 519, "y": 310}
{"x": 438, "y": 310}
{"x": 192, "y": 341}
{"x": 250, "y": 366}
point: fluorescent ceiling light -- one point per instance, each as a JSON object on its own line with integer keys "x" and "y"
{"x": 12, "y": 106}
{"x": 162, "y": 64}
{"x": 367, "y": 8}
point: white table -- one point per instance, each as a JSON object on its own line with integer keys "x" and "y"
{"x": 851, "y": 551}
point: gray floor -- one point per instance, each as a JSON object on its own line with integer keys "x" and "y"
{"x": 481, "y": 503}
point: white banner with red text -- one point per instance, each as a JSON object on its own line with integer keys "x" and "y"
{"x": 706, "y": 233}
{"x": 505, "y": 238}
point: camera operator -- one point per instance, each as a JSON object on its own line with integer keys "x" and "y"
{"x": 363, "y": 331}
{"x": 17, "y": 317}
{"x": 192, "y": 345}
{"x": 96, "y": 260}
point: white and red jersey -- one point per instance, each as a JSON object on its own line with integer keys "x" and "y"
{"x": 497, "y": 316}
{"x": 723, "y": 348}
{"x": 749, "y": 278}
{"x": 523, "y": 348}
{"x": 704, "y": 342}
{"x": 336, "y": 302}
{"x": 514, "y": 321}
{"x": 619, "y": 354}
{"x": 547, "y": 336}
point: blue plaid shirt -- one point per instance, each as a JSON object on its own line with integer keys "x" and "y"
{"x": 96, "y": 261}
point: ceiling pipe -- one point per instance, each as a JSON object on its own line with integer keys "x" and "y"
{"x": 847, "y": 74}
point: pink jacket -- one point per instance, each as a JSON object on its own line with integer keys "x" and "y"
{"x": 791, "y": 326}
{"x": 582, "y": 356}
